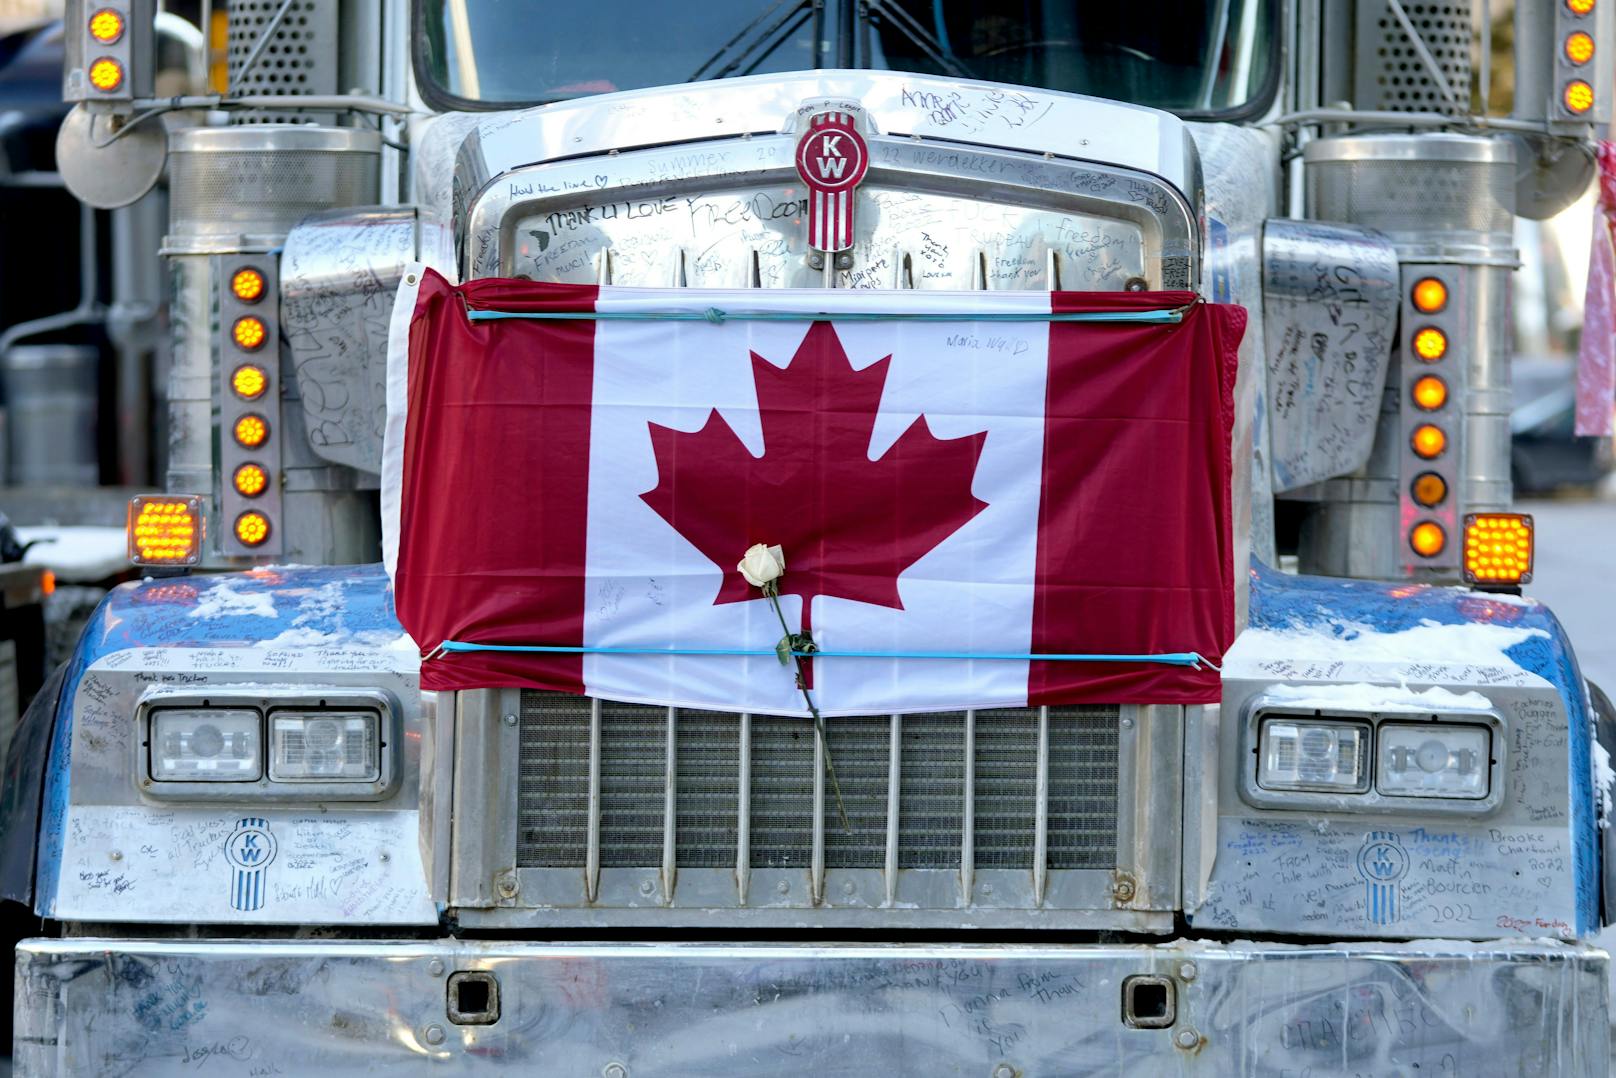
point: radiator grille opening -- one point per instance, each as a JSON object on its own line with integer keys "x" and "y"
{"x": 1083, "y": 788}
{"x": 931, "y": 790}
{"x": 633, "y": 775}
{"x": 1006, "y": 788}
{"x": 552, "y": 818}
{"x": 708, "y": 772}
{"x": 782, "y": 792}
{"x": 860, "y": 748}
{"x": 553, "y": 811}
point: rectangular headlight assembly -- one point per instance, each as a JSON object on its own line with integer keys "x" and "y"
{"x": 1431, "y": 759}
{"x": 316, "y": 746}
{"x": 1322, "y": 756}
{"x": 205, "y": 745}
{"x": 246, "y": 744}
{"x": 1301, "y": 753}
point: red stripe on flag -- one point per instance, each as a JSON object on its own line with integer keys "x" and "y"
{"x": 1134, "y": 524}
{"x": 473, "y": 407}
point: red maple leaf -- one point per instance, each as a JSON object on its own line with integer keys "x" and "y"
{"x": 849, "y": 524}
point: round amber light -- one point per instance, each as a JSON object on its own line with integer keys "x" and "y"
{"x": 252, "y": 528}
{"x": 247, "y": 284}
{"x": 250, "y": 480}
{"x": 1579, "y": 48}
{"x": 1427, "y": 539}
{"x": 1580, "y": 7}
{"x": 251, "y": 431}
{"x": 1429, "y": 489}
{"x": 249, "y": 381}
{"x": 106, "y": 75}
{"x": 1431, "y": 344}
{"x": 1579, "y": 97}
{"x": 1429, "y": 441}
{"x": 106, "y": 26}
{"x": 1430, "y": 295}
{"x": 249, "y": 333}
{"x": 1430, "y": 392}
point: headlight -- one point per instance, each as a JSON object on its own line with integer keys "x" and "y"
{"x": 1327, "y": 757}
{"x": 316, "y": 746}
{"x": 1434, "y": 760}
{"x": 322, "y": 744}
{"x": 205, "y": 745}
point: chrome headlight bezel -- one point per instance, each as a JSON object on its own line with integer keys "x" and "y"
{"x": 1264, "y": 708}
{"x": 265, "y": 700}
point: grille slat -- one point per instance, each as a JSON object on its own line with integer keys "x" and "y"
{"x": 553, "y": 807}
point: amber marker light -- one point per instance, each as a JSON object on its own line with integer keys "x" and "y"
{"x": 248, "y": 381}
{"x": 252, "y": 528}
{"x": 250, "y": 480}
{"x": 106, "y": 75}
{"x": 1580, "y": 7}
{"x": 1430, "y": 344}
{"x": 249, "y": 333}
{"x": 1429, "y": 489}
{"x": 1578, "y": 97}
{"x": 1427, "y": 538}
{"x": 1498, "y": 548}
{"x": 251, "y": 431}
{"x": 1428, "y": 441}
{"x": 106, "y": 26}
{"x": 247, "y": 285}
{"x": 1430, "y": 392}
{"x": 165, "y": 530}
{"x": 1430, "y": 295}
{"x": 1579, "y": 48}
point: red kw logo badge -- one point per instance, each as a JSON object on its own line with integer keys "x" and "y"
{"x": 832, "y": 158}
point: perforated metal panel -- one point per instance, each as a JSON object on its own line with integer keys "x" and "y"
{"x": 301, "y": 56}
{"x": 1390, "y": 74}
{"x": 555, "y": 762}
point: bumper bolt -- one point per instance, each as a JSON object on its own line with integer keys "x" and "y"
{"x": 614, "y": 1070}
{"x": 435, "y": 967}
{"x": 510, "y": 720}
{"x": 507, "y": 885}
{"x": 783, "y": 887}
{"x": 1186, "y": 1038}
{"x": 646, "y": 887}
{"x": 433, "y": 1035}
{"x": 1186, "y": 971}
{"x": 849, "y": 888}
{"x": 1004, "y": 1070}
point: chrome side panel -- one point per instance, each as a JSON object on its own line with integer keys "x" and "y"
{"x": 339, "y": 271}
{"x": 92, "y": 1006}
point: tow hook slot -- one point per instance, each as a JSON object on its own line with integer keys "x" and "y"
{"x": 1149, "y": 1001}
{"x": 473, "y": 998}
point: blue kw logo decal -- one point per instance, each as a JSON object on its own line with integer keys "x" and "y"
{"x": 250, "y": 848}
{"x": 1382, "y": 862}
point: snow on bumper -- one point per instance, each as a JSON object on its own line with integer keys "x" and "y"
{"x": 282, "y": 1007}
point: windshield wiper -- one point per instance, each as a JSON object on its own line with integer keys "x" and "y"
{"x": 870, "y": 11}
{"x": 790, "y": 15}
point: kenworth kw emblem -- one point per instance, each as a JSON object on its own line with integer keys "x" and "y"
{"x": 1382, "y": 862}
{"x": 250, "y": 848}
{"x": 832, "y": 158}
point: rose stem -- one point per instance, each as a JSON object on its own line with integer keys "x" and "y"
{"x": 772, "y": 590}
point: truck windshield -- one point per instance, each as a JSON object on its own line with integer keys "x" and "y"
{"x": 1191, "y": 56}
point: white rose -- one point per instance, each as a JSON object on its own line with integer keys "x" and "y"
{"x": 762, "y": 564}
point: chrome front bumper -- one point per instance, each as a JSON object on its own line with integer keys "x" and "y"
{"x": 89, "y": 1006}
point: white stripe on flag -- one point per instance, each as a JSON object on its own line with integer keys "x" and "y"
{"x": 648, "y": 585}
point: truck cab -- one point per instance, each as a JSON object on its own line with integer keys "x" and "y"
{"x": 274, "y": 830}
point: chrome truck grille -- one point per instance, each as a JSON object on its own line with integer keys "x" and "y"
{"x": 706, "y": 774}
{"x": 570, "y": 810}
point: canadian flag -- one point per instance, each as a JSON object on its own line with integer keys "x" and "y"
{"x": 969, "y": 493}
